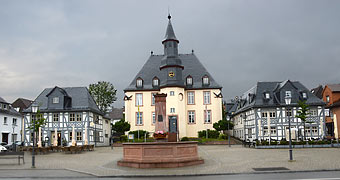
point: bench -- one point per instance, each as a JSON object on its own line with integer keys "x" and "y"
{"x": 13, "y": 155}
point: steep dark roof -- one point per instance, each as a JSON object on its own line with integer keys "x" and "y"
{"x": 116, "y": 113}
{"x": 317, "y": 91}
{"x": 170, "y": 34}
{"x": 192, "y": 67}
{"x": 10, "y": 111}
{"x": 22, "y": 104}
{"x": 81, "y": 100}
{"x": 254, "y": 97}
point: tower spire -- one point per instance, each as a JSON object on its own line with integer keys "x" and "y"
{"x": 170, "y": 34}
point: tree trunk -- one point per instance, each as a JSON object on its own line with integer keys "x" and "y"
{"x": 304, "y": 130}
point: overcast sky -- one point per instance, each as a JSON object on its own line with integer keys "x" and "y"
{"x": 75, "y": 43}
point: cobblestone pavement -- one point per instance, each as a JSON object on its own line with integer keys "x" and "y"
{"x": 219, "y": 159}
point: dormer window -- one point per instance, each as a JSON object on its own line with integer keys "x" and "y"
{"x": 189, "y": 81}
{"x": 304, "y": 95}
{"x": 155, "y": 82}
{"x": 288, "y": 94}
{"x": 55, "y": 100}
{"x": 139, "y": 82}
{"x": 205, "y": 80}
{"x": 267, "y": 95}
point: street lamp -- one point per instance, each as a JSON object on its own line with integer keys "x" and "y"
{"x": 288, "y": 101}
{"x": 35, "y": 109}
{"x": 13, "y": 141}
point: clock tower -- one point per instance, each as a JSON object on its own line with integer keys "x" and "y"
{"x": 171, "y": 64}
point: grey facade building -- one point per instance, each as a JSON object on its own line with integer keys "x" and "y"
{"x": 261, "y": 112}
{"x": 65, "y": 108}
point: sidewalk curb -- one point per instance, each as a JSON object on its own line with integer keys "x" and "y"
{"x": 207, "y": 174}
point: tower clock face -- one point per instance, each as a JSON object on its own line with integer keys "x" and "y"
{"x": 171, "y": 74}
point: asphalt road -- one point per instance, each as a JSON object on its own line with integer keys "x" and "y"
{"x": 65, "y": 174}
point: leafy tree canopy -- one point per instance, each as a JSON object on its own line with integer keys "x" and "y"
{"x": 121, "y": 126}
{"x": 222, "y": 125}
{"x": 104, "y": 94}
{"x": 303, "y": 111}
{"x": 40, "y": 121}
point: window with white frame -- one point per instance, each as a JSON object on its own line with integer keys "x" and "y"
{"x": 327, "y": 99}
{"x": 70, "y": 136}
{"x": 153, "y": 101}
{"x": 153, "y": 117}
{"x": 272, "y": 130}
{"x": 5, "y": 120}
{"x": 139, "y": 83}
{"x": 155, "y": 82}
{"x": 267, "y": 95}
{"x": 55, "y": 100}
{"x": 272, "y": 114}
{"x": 5, "y": 106}
{"x": 139, "y": 118}
{"x": 313, "y": 112}
{"x": 288, "y": 112}
{"x": 139, "y": 99}
{"x": 172, "y": 93}
{"x": 304, "y": 95}
{"x": 72, "y": 117}
{"x": 264, "y": 114}
{"x": 189, "y": 81}
{"x": 315, "y": 130}
{"x": 265, "y": 131}
{"x": 288, "y": 94}
{"x": 207, "y": 116}
{"x": 79, "y": 136}
{"x": 14, "y": 122}
{"x": 172, "y": 110}
{"x": 78, "y": 117}
{"x": 191, "y": 117}
{"x": 206, "y": 97}
{"x": 205, "y": 80}
{"x": 191, "y": 97}
{"x": 55, "y": 117}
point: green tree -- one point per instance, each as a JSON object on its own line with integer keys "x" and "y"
{"x": 40, "y": 121}
{"x": 104, "y": 94}
{"x": 222, "y": 125}
{"x": 302, "y": 113}
{"x": 121, "y": 126}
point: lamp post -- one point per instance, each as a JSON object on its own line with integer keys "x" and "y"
{"x": 228, "y": 121}
{"x": 13, "y": 141}
{"x": 288, "y": 101}
{"x": 35, "y": 109}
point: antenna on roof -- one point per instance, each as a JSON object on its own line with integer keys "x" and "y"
{"x": 151, "y": 52}
{"x": 169, "y": 16}
{"x": 192, "y": 51}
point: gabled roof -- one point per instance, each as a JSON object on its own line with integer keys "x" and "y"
{"x": 273, "y": 88}
{"x": 3, "y": 101}
{"x": 334, "y": 87}
{"x": 192, "y": 67}
{"x": 81, "y": 100}
{"x": 22, "y": 104}
{"x": 317, "y": 91}
{"x": 116, "y": 113}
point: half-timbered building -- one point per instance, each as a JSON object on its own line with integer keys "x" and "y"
{"x": 262, "y": 114}
{"x": 63, "y": 109}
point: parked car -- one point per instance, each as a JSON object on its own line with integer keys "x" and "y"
{"x": 2, "y": 148}
{"x": 3, "y": 144}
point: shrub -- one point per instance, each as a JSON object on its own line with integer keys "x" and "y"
{"x": 141, "y": 134}
{"x": 211, "y": 134}
{"x": 284, "y": 142}
{"x": 223, "y": 136}
{"x": 185, "y": 139}
{"x": 123, "y": 138}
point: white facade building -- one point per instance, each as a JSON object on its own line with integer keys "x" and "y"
{"x": 10, "y": 123}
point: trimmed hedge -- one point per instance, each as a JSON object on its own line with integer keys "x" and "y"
{"x": 211, "y": 134}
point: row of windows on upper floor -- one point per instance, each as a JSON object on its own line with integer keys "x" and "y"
{"x": 72, "y": 118}
{"x": 191, "y": 118}
{"x": 189, "y": 81}
{"x": 14, "y": 121}
{"x": 190, "y": 98}
{"x": 288, "y": 94}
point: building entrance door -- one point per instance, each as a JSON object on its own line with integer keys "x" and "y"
{"x": 58, "y": 137}
{"x": 5, "y": 137}
{"x": 172, "y": 129}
